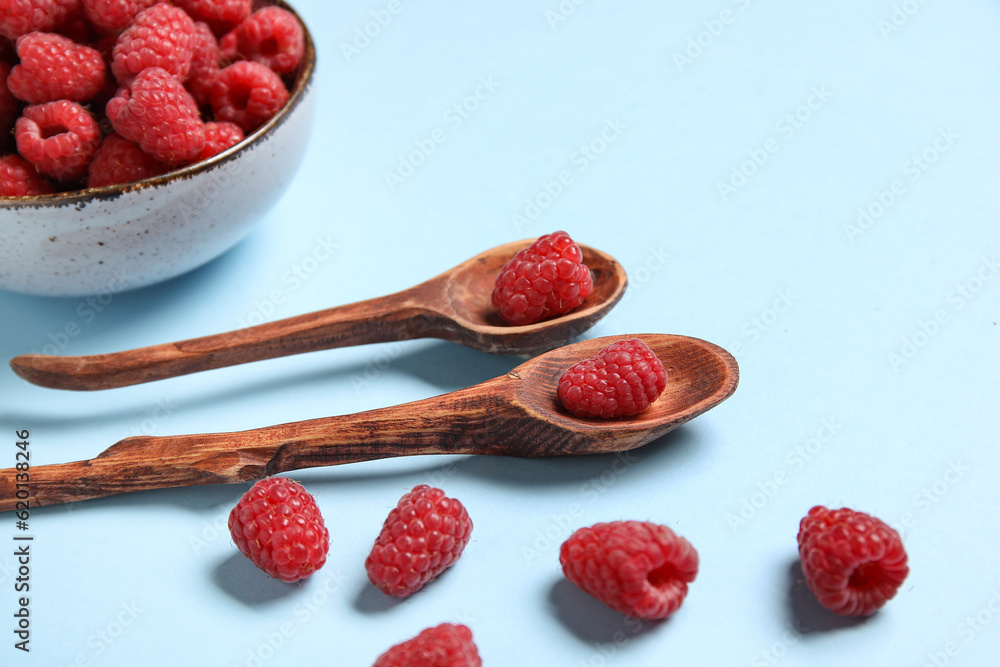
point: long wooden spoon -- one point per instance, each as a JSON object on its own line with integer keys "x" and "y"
{"x": 453, "y": 306}
{"x": 516, "y": 414}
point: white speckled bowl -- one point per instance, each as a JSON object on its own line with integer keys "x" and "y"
{"x": 127, "y": 236}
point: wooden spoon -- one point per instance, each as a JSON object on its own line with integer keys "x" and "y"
{"x": 516, "y": 414}
{"x": 453, "y": 306}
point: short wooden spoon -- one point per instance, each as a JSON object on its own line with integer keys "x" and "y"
{"x": 453, "y": 306}
{"x": 516, "y": 414}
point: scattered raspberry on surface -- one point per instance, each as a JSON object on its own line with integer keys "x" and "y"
{"x": 445, "y": 645}
{"x": 161, "y": 36}
{"x": 248, "y": 93}
{"x": 278, "y": 526}
{"x": 853, "y": 562}
{"x": 54, "y": 67}
{"x": 221, "y": 15}
{"x": 621, "y": 380}
{"x": 637, "y": 568}
{"x": 546, "y": 279}
{"x": 157, "y": 113}
{"x": 272, "y": 36}
{"x": 18, "y": 178}
{"x": 219, "y": 137}
{"x": 113, "y": 16}
{"x": 19, "y": 17}
{"x": 118, "y": 161}
{"x": 58, "y": 138}
{"x": 204, "y": 65}
{"x": 422, "y": 537}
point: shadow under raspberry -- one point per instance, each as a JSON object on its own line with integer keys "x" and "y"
{"x": 593, "y": 622}
{"x": 243, "y": 581}
{"x": 371, "y": 600}
{"x": 806, "y": 614}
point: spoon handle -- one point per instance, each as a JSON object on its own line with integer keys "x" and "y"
{"x": 400, "y": 316}
{"x": 460, "y": 422}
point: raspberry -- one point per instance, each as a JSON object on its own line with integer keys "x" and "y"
{"x": 421, "y": 538}
{"x": 58, "y": 138}
{"x": 853, "y": 563}
{"x": 204, "y": 65}
{"x": 637, "y": 568}
{"x": 54, "y": 67}
{"x": 19, "y": 179}
{"x": 160, "y": 115}
{"x": 219, "y": 137}
{"x": 161, "y": 36}
{"x": 445, "y": 645}
{"x": 622, "y": 379}
{"x": 247, "y": 93}
{"x": 19, "y": 17}
{"x": 272, "y": 36}
{"x": 546, "y": 279}
{"x": 228, "y": 52}
{"x": 221, "y": 15}
{"x": 278, "y": 526}
{"x": 113, "y": 16}
{"x": 119, "y": 160}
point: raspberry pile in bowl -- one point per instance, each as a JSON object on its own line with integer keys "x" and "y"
{"x": 140, "y": 229}
{"x": 106, "y": 92}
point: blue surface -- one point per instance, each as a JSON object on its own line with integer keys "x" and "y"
{"x": 868, "y": 345}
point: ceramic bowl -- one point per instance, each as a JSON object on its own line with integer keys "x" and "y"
{"x": 110, "y": 239}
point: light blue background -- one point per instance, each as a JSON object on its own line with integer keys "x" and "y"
{"x": 813, "y": 309}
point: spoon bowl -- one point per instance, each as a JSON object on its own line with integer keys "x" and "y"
{"x": 699, "y": 376}
{"x": 516, "y": 414}
{"x": 454, "y": 306}
{"x": 469, "y": 291}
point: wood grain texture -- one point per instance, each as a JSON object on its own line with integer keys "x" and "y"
{"x": 453, "y": 306}
{"x": 516, "y": 414}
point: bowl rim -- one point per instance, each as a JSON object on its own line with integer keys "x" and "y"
{"x": 110, "y": 192}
